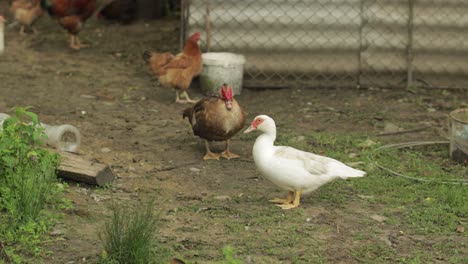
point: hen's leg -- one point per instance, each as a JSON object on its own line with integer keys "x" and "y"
{"x": 22, "y": 31}
{"x": 227, "y": 154}
{"x": 79, "y": 44}
{"x": 73, "y": 43}
{"x": 35, "y": 31}
{"x": 177, "y": 98}
{"x": 186, "y": 100}
{"x": 288, "y": 199}
{"x": 294, "y": 204}
{"x": 210, "y": 155}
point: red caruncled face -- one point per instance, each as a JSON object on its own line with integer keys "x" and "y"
{"x": 226, "y": 95}
{"x": 257, "y": 122}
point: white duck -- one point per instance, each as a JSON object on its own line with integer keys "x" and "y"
{"x": 297, "y": 171}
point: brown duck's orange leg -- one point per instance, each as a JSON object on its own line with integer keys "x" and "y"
{"x": 227, "y": 154}
{"x": 210, "y": 155}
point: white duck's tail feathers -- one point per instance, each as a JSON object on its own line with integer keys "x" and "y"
{"x": 344, "y": 171}
{"x": 352, "y": 173}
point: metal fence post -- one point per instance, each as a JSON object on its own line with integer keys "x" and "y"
{"x": 208, "y": 26}
{"x": 361, "y": 26}
{"x": 410, "y": 54}
{"x": 183, "y": 23}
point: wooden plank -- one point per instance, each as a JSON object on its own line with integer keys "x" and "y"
{"x": 78, "y": 168}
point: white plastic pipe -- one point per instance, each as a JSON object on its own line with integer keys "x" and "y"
{"x": 2, "y": 35}
{"x": 63, "y": 137}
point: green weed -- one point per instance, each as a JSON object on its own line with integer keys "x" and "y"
{"x": 129, "y": 236}
{"x": 229, "y": 256}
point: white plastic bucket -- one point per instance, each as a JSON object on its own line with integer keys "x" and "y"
{"x": 459, "y": 135}
{"x": 220, "y": 68}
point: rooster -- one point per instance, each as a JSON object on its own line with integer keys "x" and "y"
{"x": 177, "y": 71}
{"x": 216, "y": 119}
{"x": 71, "y": 14}
{"x": 26, "y": 12}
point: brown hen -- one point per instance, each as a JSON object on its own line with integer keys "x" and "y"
{"x": 177, "y": 71}
{"x": 26, "y": 12}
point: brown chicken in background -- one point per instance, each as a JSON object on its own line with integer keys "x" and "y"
{"x": 216, "y": 119}
{"x": 71, "y": 14}
{"x": 25, "y": 13}
{"x": 122, "y": 11}
{"x": 177, "y": 71}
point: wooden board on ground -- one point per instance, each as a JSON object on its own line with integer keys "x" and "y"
{"x": 78, "y": 168}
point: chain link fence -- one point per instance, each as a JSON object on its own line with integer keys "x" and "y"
{"x": 339, "y": 43}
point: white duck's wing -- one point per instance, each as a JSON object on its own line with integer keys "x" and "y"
{"x": 314, "y": 164}
{"x": 318, "y": 165}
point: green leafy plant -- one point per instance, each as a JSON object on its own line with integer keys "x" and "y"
{"x": 28, "y": 182}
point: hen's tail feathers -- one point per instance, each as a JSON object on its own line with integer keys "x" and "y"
{"x": 147, "y": 55}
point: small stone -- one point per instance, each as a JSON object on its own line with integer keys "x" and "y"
{"x": 56, "y": 232}
{"x": 105, "y": 150}
{"x": 88, "y": 96}
{"x": 193, "y": 169}
{"x": 365, "y": 197}
{"x": 431, "y": 110}
{"x": 308, "y": 219}
{"x": 246, "y": 228}
{"x": 83, "y": 112}
{"x": 391, "y": 128}
{"x": 95, "y": 197}
{"x": 460, "y": 229}
{"x": 378, "y": 218}
{"x": 223, "y": 198}
{"x": 367, "y": 143}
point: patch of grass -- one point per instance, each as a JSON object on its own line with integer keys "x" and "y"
{"x": 376, "y": 252}
{"x": 229, "y": 256}
{"x": 28, "y": 184}
{"x": 129, "y": 236}
{"x": 416, "y": 208}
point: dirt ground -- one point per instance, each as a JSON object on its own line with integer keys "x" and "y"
{"x": 132, "y": 124}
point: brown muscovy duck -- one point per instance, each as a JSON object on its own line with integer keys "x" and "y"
{"x": 216, "y": 118}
